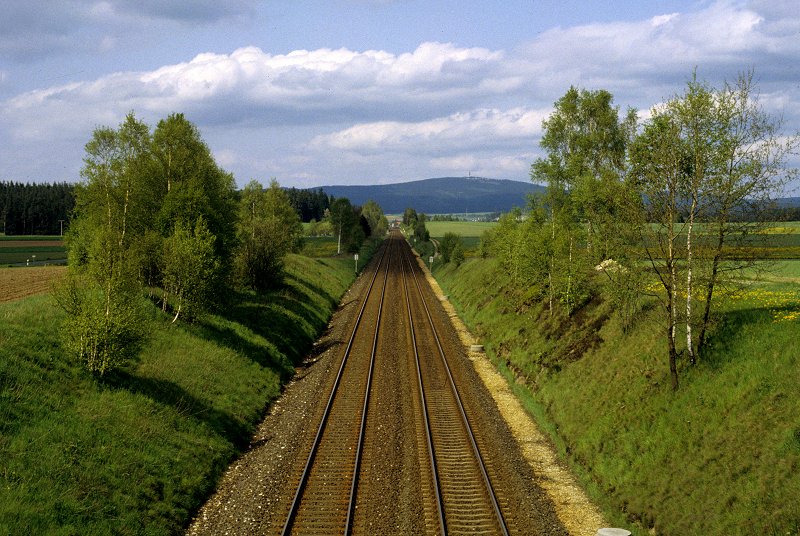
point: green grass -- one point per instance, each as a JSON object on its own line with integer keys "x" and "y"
{"x": 14, "y": 255}
{"x": 776, "y": 240}
{"x": 467, "y": 229}
{"x": 138, "y": 451}
{"x": 719, "y": 457}
{"x": 319, "y": 246}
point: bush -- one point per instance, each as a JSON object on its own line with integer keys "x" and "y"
{"x": 104, "y": 327}
{"x": 446, "y": 245}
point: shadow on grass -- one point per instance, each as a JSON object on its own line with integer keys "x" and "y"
{"x": 300, "y": 297}
{"x": 726, "y": 334}
{"x": 229, "y": 338}
{"x": 171, "y": 394}
{"x": 286, "y": 318}
{"x": 319, "y": 291}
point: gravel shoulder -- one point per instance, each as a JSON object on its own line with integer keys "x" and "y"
{"x": 574, "y": 509}
{"x": 249, "y": 497}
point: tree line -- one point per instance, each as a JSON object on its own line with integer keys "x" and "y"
{"x": 310, "y": 204}
{"x": 155, "y": 215}
{"x": 45, "y": 208}
{"x": 35, "y": 209}
{"x": 656, "y": 207}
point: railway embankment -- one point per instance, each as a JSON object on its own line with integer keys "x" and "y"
{"x": 138, "y": 451}
{"x": 719, "y": 456}
{"x": 391, "y": 325}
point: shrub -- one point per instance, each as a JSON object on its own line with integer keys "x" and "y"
{"x": 104, "y": 327}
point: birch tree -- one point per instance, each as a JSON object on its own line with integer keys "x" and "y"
{"x": 189, "y": 266}
{"x": 702, "y": 135}
{"x": 269, "y": 228}
{"x": 658, "y": 164}
{"x": 100, "y": 296}
{"x": 585, "y": 142}
{"x": 754, "y": 156}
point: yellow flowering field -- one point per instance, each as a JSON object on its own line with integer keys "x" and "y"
{"x": 783, "y": 304}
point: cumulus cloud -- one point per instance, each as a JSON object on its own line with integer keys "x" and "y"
{"x": 440, "y": 106}
{"x": 661, "y": 51}
{"x": 250, "y": 85}
{"x": 482, "y": 128}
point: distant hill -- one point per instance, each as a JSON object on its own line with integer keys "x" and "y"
{"x": 445, "y": 195}
{"x": 788, "y": 202}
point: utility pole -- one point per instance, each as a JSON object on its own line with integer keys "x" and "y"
{"x": 62, "y": 227}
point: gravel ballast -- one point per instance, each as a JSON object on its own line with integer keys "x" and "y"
{"x": 251, "y": 497}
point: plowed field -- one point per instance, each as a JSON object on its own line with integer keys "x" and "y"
{"x": 30, "y": 243}
{"x": 16, "y": 283}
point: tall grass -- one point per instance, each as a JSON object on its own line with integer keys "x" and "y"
{"x": 719, "y": 457}
{"x": 137, "y": 452}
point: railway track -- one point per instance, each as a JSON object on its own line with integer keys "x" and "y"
{"x": 456, "y": 493}
{"x": 324, "y": 500}
{"x": 467, "y": 500}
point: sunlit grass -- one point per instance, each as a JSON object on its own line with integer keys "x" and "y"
{"x": 466, "y": 229}
{"x": 138, "y": 451}
{"x": 720, "y": 456}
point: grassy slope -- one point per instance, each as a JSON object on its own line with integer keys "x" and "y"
{"x": 721, "y": 456}
{"x": 139, "y": 451}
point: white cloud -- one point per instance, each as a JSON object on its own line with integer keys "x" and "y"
{"x": 353, "y": 114}
{"x": 477, "y": 128}
{"x": 300, "y": 87}
{"x": 659, "y": 52}
{"x": 514, "y": 165}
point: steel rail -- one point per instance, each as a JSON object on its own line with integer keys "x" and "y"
{"x": 431, "y": 451}
{"x": 490, "y": 490}
{"x": 287, "y": 527}
{"x": 354, "y": 483}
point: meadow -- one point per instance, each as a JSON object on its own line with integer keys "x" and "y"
{"x": 138, "y": 451}
{"x": 469, "y": 231}
{"x": 721, "y": 456}
{"x": 319, "y": 246}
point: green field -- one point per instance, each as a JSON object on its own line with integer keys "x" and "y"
{"x": 19, "y": 255}
{"x": 319, "y": 246}
{"x": 138, "y": 451}
{"x": 12, "y": 254}
{"x": 467, "y": 229}
{"x": 37, "y": 238}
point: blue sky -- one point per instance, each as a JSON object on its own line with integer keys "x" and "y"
{"x": 363, "y": 91}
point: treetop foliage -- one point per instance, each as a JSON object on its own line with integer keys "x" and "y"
{"x": 155, "y": 212}
{"x": 638, "y": 194}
